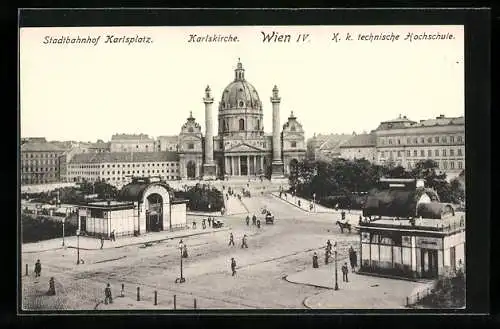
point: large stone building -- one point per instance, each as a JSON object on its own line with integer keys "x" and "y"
{"x": 118, "y": 168}
{"x": 405, "y": 142}
{"x": 241, "y": 147}
{"x": 362, "y": 146}
{"x": 41, "y": 163}
{"x": 326, "y": 147}
{"x": 132, "y": 143}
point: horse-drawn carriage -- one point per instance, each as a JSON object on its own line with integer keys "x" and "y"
{"x": 217, "y": 223}
{"x": 269, "y": 218}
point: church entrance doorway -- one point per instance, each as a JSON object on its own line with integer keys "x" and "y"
{"x": 244, "y": 166}
{"x": 191, "y": 170}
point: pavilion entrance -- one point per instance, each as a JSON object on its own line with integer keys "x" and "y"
{"x": 154, "y": 213}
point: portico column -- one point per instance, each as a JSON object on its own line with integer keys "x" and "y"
{"x": 239, "y": 165}
{"x": 226, "y": 165}
{"x": 248, "y": 165}
{"x": 254, "y": 165}
{"x": 232, "y": 166}
{"x": 262, "y": 163}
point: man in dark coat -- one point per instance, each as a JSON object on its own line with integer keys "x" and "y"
{"x": 248, "y": 220}
{"x": 52, "y": 287}
{"x": 233, "y": 266}
{"x": 327, "y": 255}
{"x": 38, "y": 268}
{"x": 345, "y": 270}
{"x": 254, "y": 219}
{"x": 258, "y": 223}
{"x": 244, "y": 242}
{"x": 329, "y": 245}
{"x": 352, "y": 258}
{"x": 102, "y": 241}
{"x": 315, "y": 260}
{"x": 107, "y": 295}
{"x": 185, "y": 251}
{"x": 209, "y": 220}
{"x": 231, "y": 239}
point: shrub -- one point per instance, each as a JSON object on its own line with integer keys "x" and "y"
{"x": 39, "y": 228}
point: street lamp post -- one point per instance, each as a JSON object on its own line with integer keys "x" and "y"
{"x": 181, "y": 279}
{"x": 64, "y": 220}
{"x": 336, "y": 273}
{"x": 314, "y": 201}
{"x": 77, "y": 247}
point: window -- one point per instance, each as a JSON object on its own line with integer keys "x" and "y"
{"x": 415, "y": 153}
{"x": 459, "y": 139}
{"x": 436, "y": 153}
{"x": 436, "y": 139}
{"x": 399, "y": 141}
{"x": 422, "y": 153}
{"x": 452, "y": 139}
{"x": 242, "y": 104}
{"x": 422, "y": 140}
{"x": 443, "y": 139}
{"x": 399, "y": 154}
{"x": 444, "y": 153}
{"x": 382, "y": 141}
{"x": 190, "y": 146}
{"x": 242, "y": 124}
{"x": 293, "y": 144}
{"x": 429, "y": 140}
{"x": 190, "y": 129}
{"x": 460, "y": 165}
{"x": 415, "y": 140}
{"x": 390, "y": 141}
{"x": 408, "y": 153}
{"x": 459, "y": 152}
{"x": 429, "y": 153}
{"x": 382, "y": 154}
{"x": 445, "y": 165}
{"x": 264, "y": 145}
{"x": 452, "y": 165}
{"x": 452, "y": 152}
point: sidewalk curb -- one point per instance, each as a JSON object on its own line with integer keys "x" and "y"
{"x": 131, "y": 244}
{"x": 306, "y": 284}
{"x": 305, "y": 210}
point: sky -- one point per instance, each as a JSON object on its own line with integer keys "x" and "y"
{"x": 85, "y": 92}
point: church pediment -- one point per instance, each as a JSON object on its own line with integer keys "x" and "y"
{"x": 243, "y": 147}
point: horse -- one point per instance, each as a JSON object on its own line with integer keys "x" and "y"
{"x": 344, "y": 226}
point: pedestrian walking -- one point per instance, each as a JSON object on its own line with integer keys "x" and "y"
{"x": 247, "y": 219}
{"x": 352, "y": 258}
{"x": 327, "y": 255}
{"x": 329, "y": 245}
{"x": 108, "y": 298}
{"x": 113, "y": 236}
{"x": 336, "y": 207}
{"x": 342, "y": 214}
{"x": 315, "y": 260}
{"x": 122, "y": 292}
{"x": 194, "y": 225}
{"x": 244, "y": 242}
{"x": 52, "y": 287}
{"x": 38, "y": 268}
{"x": 209, "y": 220}
{"x": 233, "y": 266}
{"x": 258, "y": 223}
{"x": 345, "y": 270}
{"x": 204, "y": 224}
{"x": 231, "y": 239}
{"x": 254, "y": 219}
{"x": 102, "y": 241}
{"x": 184, "y": 251}
{"x": 286, "y": 198}
{"x": 298, "y": 202}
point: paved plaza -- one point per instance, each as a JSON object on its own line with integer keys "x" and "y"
{"x": 274, "y": 272}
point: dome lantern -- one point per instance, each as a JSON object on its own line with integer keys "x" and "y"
{"x": 239, "y": 72}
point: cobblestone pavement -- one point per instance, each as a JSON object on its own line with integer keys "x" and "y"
{"x": 274, "y": 252}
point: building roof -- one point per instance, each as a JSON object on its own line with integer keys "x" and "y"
{"x": 130, "y": 137}
{"x": 124, "y": 157}
{"x": 40, "y": 147}
{"x": 396, "y": 202}
{"x": 172, "y": 138}
{"x": 134, "y": 191}
{"x": 239, "y": 90}
{"x": 333, "y": 142}
{"x": 362, "y": 140}
{"x": 404, "y": 122}
{"x": 103, "y": 145}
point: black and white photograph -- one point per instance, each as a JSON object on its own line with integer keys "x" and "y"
{"x": 242, "y": 167}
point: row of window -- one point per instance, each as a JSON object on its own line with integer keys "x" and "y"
{"x": 422, "y": 153}
{"x": 38, "y": 155}
{"x": 37, "y": 169}
{"x": 82, "y": 166}
{"x": 71, "y": 172}
{"x": 423, "y": 140}
{"x": 36, "y": 162}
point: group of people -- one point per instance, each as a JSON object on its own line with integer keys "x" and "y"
{"x": 38, "y": 273}
{"x": 210, "y": 220}
{"x": 345, "y": 269}
{"x": 112, "y": 237}
{"x": 255, "y": 221}
{"x": 243, "y": 240}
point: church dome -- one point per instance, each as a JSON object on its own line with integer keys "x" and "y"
{"x": 240, "y": 93}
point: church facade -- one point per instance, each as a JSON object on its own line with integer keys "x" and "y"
{"x": 240, "y": 147}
